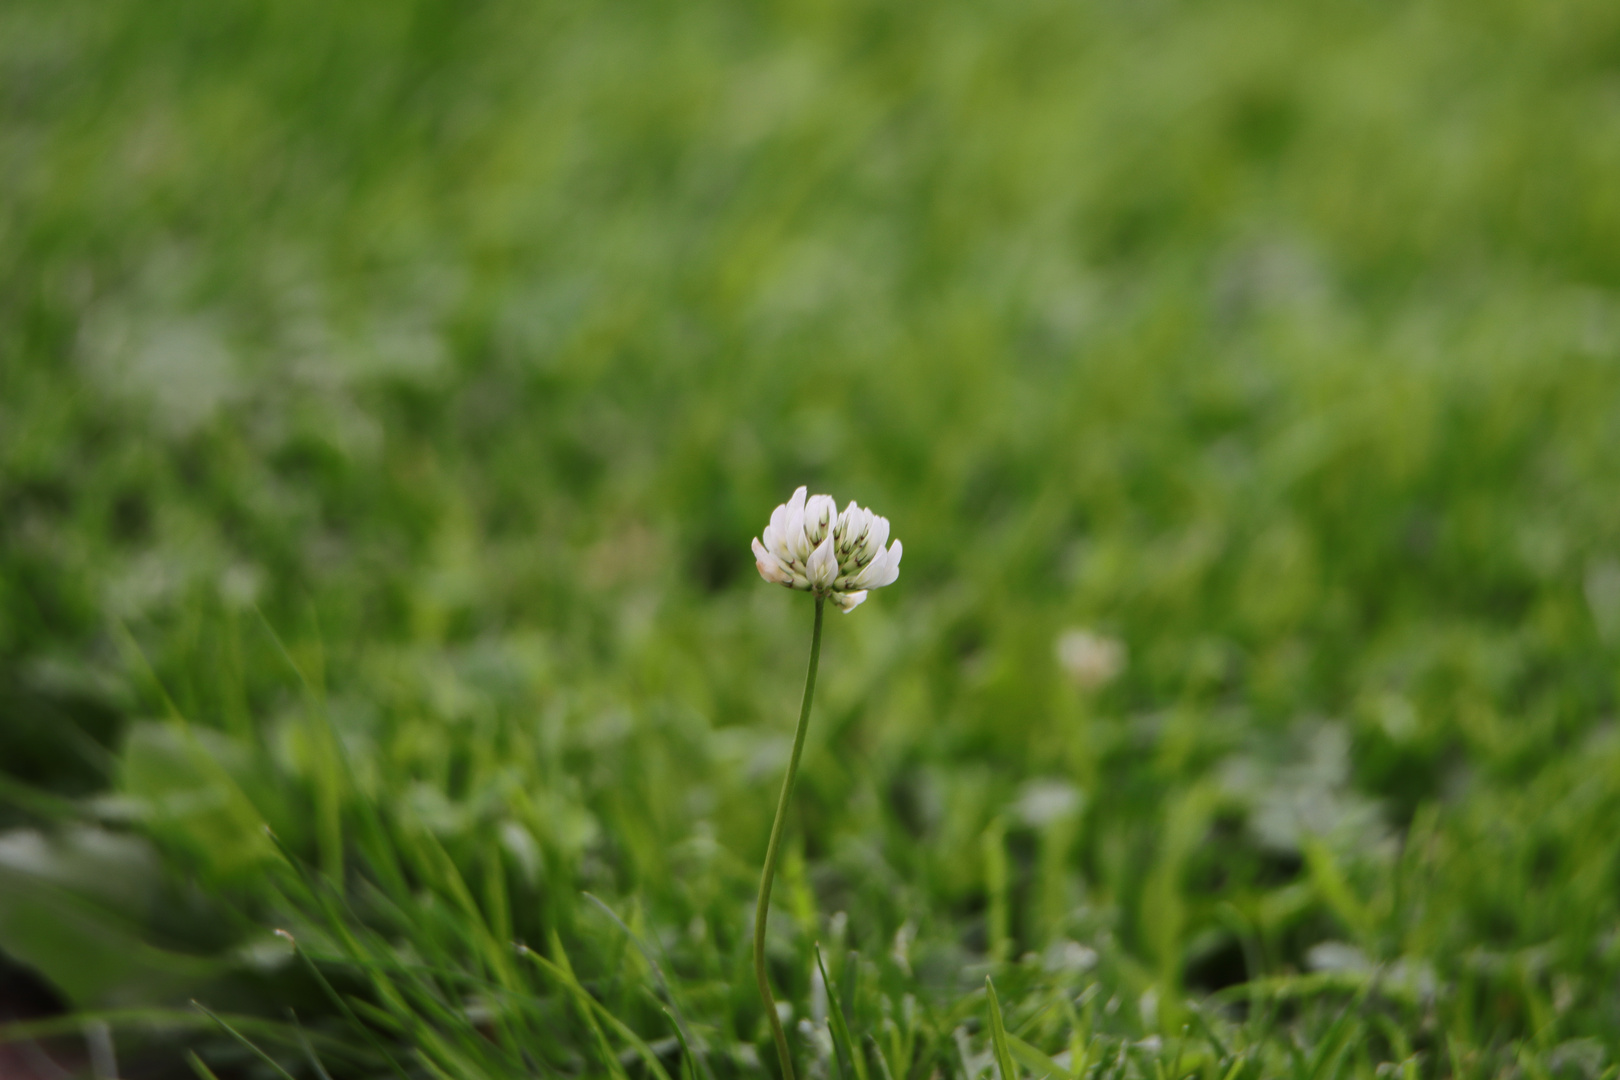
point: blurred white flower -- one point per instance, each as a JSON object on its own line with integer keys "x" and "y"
{"x": 1092, "y": 660}
{"x": 1336, "y": 956}
{"x": 810, "y": 546}
{"x": 1068, "y": 955}
{"x": 1042, "y": 802}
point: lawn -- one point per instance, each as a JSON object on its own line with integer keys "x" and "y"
{"x": 389, "y": 392}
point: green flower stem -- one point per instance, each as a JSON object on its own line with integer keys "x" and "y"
{"x": 763, "y": 910}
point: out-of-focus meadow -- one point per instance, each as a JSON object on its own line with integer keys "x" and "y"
{"x": 389, "y": 392}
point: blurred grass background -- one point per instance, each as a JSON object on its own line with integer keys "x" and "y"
{"x": 389, "y": 391}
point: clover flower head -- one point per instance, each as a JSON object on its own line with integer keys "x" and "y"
{"x": 810, "y": 546}
{"x": 1092, "y": 660}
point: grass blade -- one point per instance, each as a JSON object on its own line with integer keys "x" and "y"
{"x": 674, "y": 1010}
{"x": 309, "y": 1051}
{"x": 689, "y": 1060}
{"x": 203, "y": 1071}
{"x": 850, "y": 1062}
{"x": 343, "y": 1006}
{"x": 590, "y": 1009}
{"x": 1035, "y": 1060}
{"x": 998, "y": 1034}
{"x": 877, "y": 1055}
{"x": 244, "y": 1040}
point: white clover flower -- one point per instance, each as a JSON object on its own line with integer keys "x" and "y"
{"x": 810, "y": 546}
{"x": 1092, "y": 660}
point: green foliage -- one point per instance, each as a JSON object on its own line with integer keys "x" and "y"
{"x": 388, "y": 392}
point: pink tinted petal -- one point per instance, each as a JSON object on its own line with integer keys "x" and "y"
{"x": 769, "y": 568}
{"x": 774, "y": 544}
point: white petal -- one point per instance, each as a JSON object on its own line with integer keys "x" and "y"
{"x": 779, "y": 520}
{"x": 776, "y": 544}
{"x": 871, "y": 577}
{"x": 877, "y": 536}
{"x": 769, "y": 567}
{"x": 849, "y": 601}
{"x": 852, "y": 525}
{"x": 892, "y": 565}
{"x": 819, "y": 514}
{"x": 882, "y": 570}
{"x": 822, "y": 568}
{"x": 847, "y": 522}
{"x": 793, "y": 530}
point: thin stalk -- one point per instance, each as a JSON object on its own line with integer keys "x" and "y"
{"x": 762, "y": 911}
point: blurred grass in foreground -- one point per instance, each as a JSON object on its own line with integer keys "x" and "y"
{"x": 388, "y": 393}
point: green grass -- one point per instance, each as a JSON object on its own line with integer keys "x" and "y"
{"x": 388, "y": 394}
